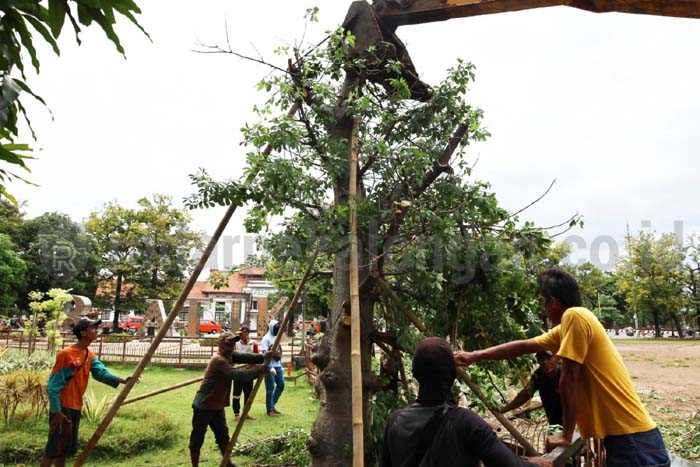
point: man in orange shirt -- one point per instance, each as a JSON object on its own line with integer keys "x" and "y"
{"x": 596, "y": 389}
{"x": 67, "y": 385}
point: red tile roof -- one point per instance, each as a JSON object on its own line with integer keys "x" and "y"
{"x": 201, "y": 289}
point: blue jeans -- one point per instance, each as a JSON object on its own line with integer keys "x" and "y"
{"x": 274, "y": 385}
{"x": 645, "y": 449}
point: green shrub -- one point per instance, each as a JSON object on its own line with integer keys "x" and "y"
{"x": 208, "y": 342}
{"x": 131, "y": 433}
{"x": 287, "y": 449}
{"x": 117, "y": 337}
{"x": 95, "y": 410}
{"x": 15, "y": 360}
{"x": 23, "y": 394}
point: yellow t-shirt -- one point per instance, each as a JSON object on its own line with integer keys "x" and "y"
{"x": 608, "y": 403}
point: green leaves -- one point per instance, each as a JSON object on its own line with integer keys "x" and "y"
{"x": 18, "y": 21}
{"x": 57, "y": 16}
{"x": 458, "y": 259}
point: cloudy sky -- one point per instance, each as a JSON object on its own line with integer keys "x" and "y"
{"x": 608, "y": 105}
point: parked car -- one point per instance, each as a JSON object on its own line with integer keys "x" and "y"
{"x": 207, "y": 326}
{"x": 131, "y": 323}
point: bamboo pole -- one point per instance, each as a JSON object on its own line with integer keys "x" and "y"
{"x": 358, "y": 449}
{"x": 171, "y": 316}
{"x": 464, "y": 376}
{"x": 278, "y": 338}
{"x": 162, "y": 390}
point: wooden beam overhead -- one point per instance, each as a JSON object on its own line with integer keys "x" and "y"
{"x": 402, "y": 12}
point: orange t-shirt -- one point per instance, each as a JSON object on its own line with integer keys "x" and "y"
{"x": 70, "y": 375}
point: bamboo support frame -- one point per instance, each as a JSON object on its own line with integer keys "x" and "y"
{"x": 171, "y": 316}
{"x": 162, "y": 390}
{"x": 529, "y": 449}
{"x": 275, "y": 345}
{"x": 280, "y": 303}
{"x": 358, "y": 450}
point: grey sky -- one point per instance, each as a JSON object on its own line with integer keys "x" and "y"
{"x": 608, "y": 105}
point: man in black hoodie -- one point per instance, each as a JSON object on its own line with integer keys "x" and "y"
{"x": 433, "y": 432}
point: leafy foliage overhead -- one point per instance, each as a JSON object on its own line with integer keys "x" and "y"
{"x": 21, "y": 21}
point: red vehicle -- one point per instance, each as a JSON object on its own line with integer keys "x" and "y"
{"x": 131, "y": 323}
{"x": 207, "y": 326}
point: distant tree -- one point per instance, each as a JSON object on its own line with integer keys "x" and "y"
{"x": 11, "y": 218}
{"x": 117, "y": 232}
{"x": 59, "y": 254}
{"x": 150, "y": 247}
{"x": 651, "y": 275}
{"x": 591, "y": 281}
{"x": 19, "y": 21}
{"x": 612, "y": 290}
{"x": 13, "y": 272}
{"x": 607, "y": 311}
{"x": 165, "y": 247}
{"x": 692, "y": 275}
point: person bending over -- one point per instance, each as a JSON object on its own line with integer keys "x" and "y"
{"x": 214, "y": 394}
{"x": 544, "y": 380}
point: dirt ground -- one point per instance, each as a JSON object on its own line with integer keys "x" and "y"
{"x": 666, "y": 374}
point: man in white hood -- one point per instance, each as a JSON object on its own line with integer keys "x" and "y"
{"x": 274, "y": 378}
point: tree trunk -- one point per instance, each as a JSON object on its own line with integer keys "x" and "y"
{"x": 117, "y": 299}
{"x": 330, "y": 442}
{"x": 677, "y": 322}
{"x": 657, "y": 326}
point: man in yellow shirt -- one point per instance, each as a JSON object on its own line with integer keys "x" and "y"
{"x": 596, "y": 389}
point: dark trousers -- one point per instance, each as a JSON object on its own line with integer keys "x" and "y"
{"x": 645, "y": 449}
{"x": 246, "y": 388}
{"x": 201, "y": 419}
{"x": 63, "y": 441}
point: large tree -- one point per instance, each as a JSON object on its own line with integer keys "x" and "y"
{"x": 12, "y": 273}
{"x": 117, "y": 231}
{"x": 11, "y": 218}
{"x": 20, "y": 23}
{"x": 651, "y": 276}
{"x": 692, "y": 275}
{"x": 457, "y": 258}
{"x": 59, "y": 254}
{"x": 164, "y": 252}
{"x": 151, "y": 247}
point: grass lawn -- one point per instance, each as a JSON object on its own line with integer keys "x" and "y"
{"x": 297, "y": 405}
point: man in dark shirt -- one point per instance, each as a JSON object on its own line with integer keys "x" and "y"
{"x": 545, "y": 380}
{"x": 432, "y": 432}
{"x": 214, "y": 394}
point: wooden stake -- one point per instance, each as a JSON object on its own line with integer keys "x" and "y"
{"x": 529, "y": 449}
{"x": 275, "y": 345}
{"x": 161, "y": 391}
{"x": 358, "y": 450}
{"x": 171, "y": 316}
